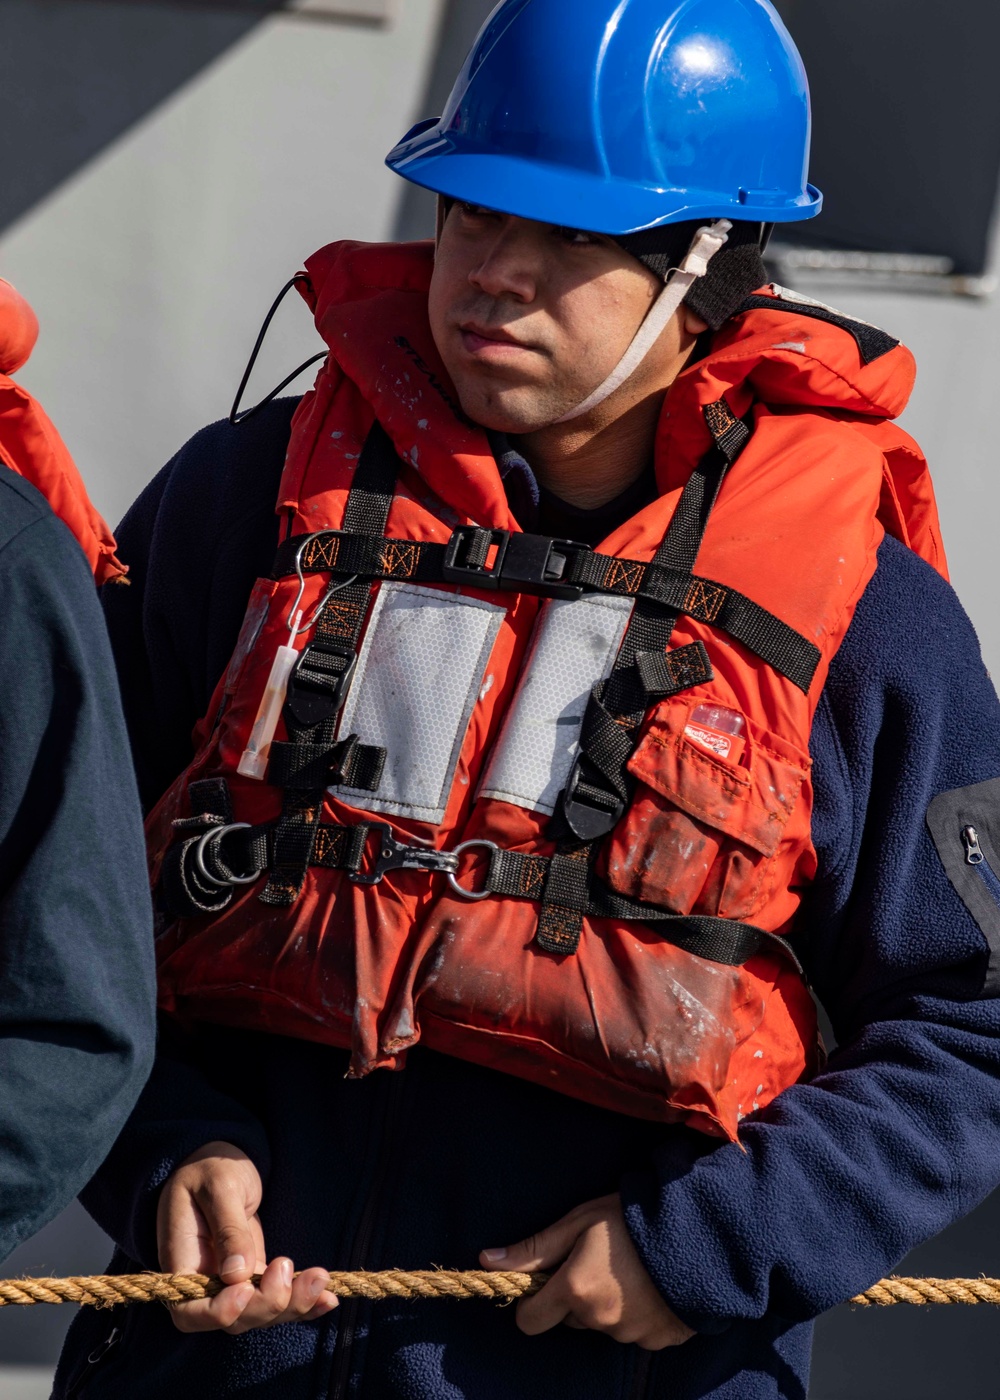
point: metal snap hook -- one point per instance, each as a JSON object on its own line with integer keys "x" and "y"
{"x": 295, "y": 624}
{"x": 216, "y": 833}
{"x": 452, "y": 878}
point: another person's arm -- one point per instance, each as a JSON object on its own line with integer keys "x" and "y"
{"x": 180, "y": 1189}
{"x": 76, "y": 970}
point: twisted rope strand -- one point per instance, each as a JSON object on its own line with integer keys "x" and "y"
{"x": 930, "y": 1290}
{"x": 112, "y": 1290}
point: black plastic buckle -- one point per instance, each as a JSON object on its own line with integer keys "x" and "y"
{"x": 534, "y": 564}
{"x": 394, "y": 855}
{"x": 313, "y": 702}
{"x": 585, "y": 821}
{"x": 537, "y": 564}
{"x": 465, "y": 540}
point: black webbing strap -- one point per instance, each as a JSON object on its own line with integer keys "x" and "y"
{"x": 567, "y": 882}
{"x": 598, "y": 789}
{"x": 585, "y": 571}
{"x": 199, "y": 876}
{"x": 311, "y": 760}
{"x": 562, "y": 569}
{"x": 599, "y": 786}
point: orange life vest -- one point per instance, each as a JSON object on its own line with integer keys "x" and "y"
{"x": 540, "y": 807}
{"x": 30, "y": 445}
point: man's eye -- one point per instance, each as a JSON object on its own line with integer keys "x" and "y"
{"x": 578, "y": 237}
{"x": 476, "y": 211}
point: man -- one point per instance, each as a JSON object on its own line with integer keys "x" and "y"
{"x": 521, "y": 835}
{"x": 76, "y": 975}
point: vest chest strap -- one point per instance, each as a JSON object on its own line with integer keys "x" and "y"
{"x": 206, "y": 867}
{"x": 554, "y": 568}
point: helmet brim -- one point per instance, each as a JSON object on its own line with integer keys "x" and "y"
{"x": 575, "y": 199}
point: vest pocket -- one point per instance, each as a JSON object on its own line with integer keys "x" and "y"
{"x": 703, "y": 830}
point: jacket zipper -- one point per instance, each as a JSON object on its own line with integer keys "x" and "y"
{"x": 348, "y": 1311}
{"x": 975, "y": 856}
{"x": 94, "y": 1360}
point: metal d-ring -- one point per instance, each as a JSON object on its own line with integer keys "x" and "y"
{"x": 453, "y": 881}
{"x": 216, "y": 833}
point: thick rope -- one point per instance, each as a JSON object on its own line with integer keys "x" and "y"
{"x": 110, "y": 1290}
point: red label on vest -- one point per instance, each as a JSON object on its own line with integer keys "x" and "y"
{"x": 719, "y": 744}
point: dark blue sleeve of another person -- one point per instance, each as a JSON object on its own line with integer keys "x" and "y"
{"x": 76, "y": 967}
{"x": 172, "y": 633}
{"x": 838, "y": 1179}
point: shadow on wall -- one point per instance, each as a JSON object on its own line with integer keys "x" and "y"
{"x": 75, "y": 74}
{"x": 460, "y": 24}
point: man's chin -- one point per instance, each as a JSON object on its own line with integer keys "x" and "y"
{"x": 512, "y": 412}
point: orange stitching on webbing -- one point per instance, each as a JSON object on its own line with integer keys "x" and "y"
{"x": 339, "y": 619}
{"x": 685, "y": 667}
{"x": 625, "y": 572}
{"x": 532, "y": 880}
{"x": 399, "y": 559}
{"x": 560, "y": 925}
{"x": 321, "y": 553}
{"x": 719, "y": 417}
{"x": 704, "y": 600}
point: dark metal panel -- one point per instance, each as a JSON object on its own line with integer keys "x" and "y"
{"x": 906, "y": 142}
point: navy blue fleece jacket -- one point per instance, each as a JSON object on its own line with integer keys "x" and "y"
{"x": 76, "y": 968}
{"x": 835, "y": 1181}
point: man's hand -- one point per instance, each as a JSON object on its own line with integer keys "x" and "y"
{"x": 602, "y": 1284}
{"x": 207, "y": 1223}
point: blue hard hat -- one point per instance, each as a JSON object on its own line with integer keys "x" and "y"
{"x": 622, "y": 115}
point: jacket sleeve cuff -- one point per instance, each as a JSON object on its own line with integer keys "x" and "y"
{"x": 676, "y": 1242}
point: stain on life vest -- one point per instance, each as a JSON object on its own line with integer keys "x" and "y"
{"x": 30, "y": 445}
{"x": 476, "y": 699}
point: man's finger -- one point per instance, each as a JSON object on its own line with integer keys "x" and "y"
{"x": 281, "y": 1299}
{"x": 271, "y": 1297}
{"x": 213, "y": 1314}
{"x": 541, "y": 1251}
{"x": 223, "y": 1204}
{"x": 183, "y": 1245}
{"x": 545, "y": 1310}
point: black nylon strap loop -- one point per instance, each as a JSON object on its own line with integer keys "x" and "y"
{"x": 780, "y": 646}
{"x": 663, "y": 674}
{"x": 574, "y": 888}
{"x": 319, "y": 766}
{"x": 312, "y": 760}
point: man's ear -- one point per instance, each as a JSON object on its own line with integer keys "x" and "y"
{"x": 693, "y": 323}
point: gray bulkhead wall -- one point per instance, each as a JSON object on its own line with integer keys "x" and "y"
{"x": 151, "y": 265}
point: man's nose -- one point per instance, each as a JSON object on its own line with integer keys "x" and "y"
{"x": 508, "y": 266}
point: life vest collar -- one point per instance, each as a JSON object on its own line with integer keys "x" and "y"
{"x": 370, "y": 305}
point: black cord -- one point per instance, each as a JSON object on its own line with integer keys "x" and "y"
{"x": 235, "y": 416}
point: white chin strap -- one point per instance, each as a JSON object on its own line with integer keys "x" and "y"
{"x": 704, "y": 246}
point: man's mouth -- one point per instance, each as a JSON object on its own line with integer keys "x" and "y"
{"x": 491, "y": 342}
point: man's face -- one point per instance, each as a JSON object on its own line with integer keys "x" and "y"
{"x": 530, "y": 318}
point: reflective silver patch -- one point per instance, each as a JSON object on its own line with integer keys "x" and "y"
{"x": 419, "y": 674}
{"x": 574, "y": 647}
